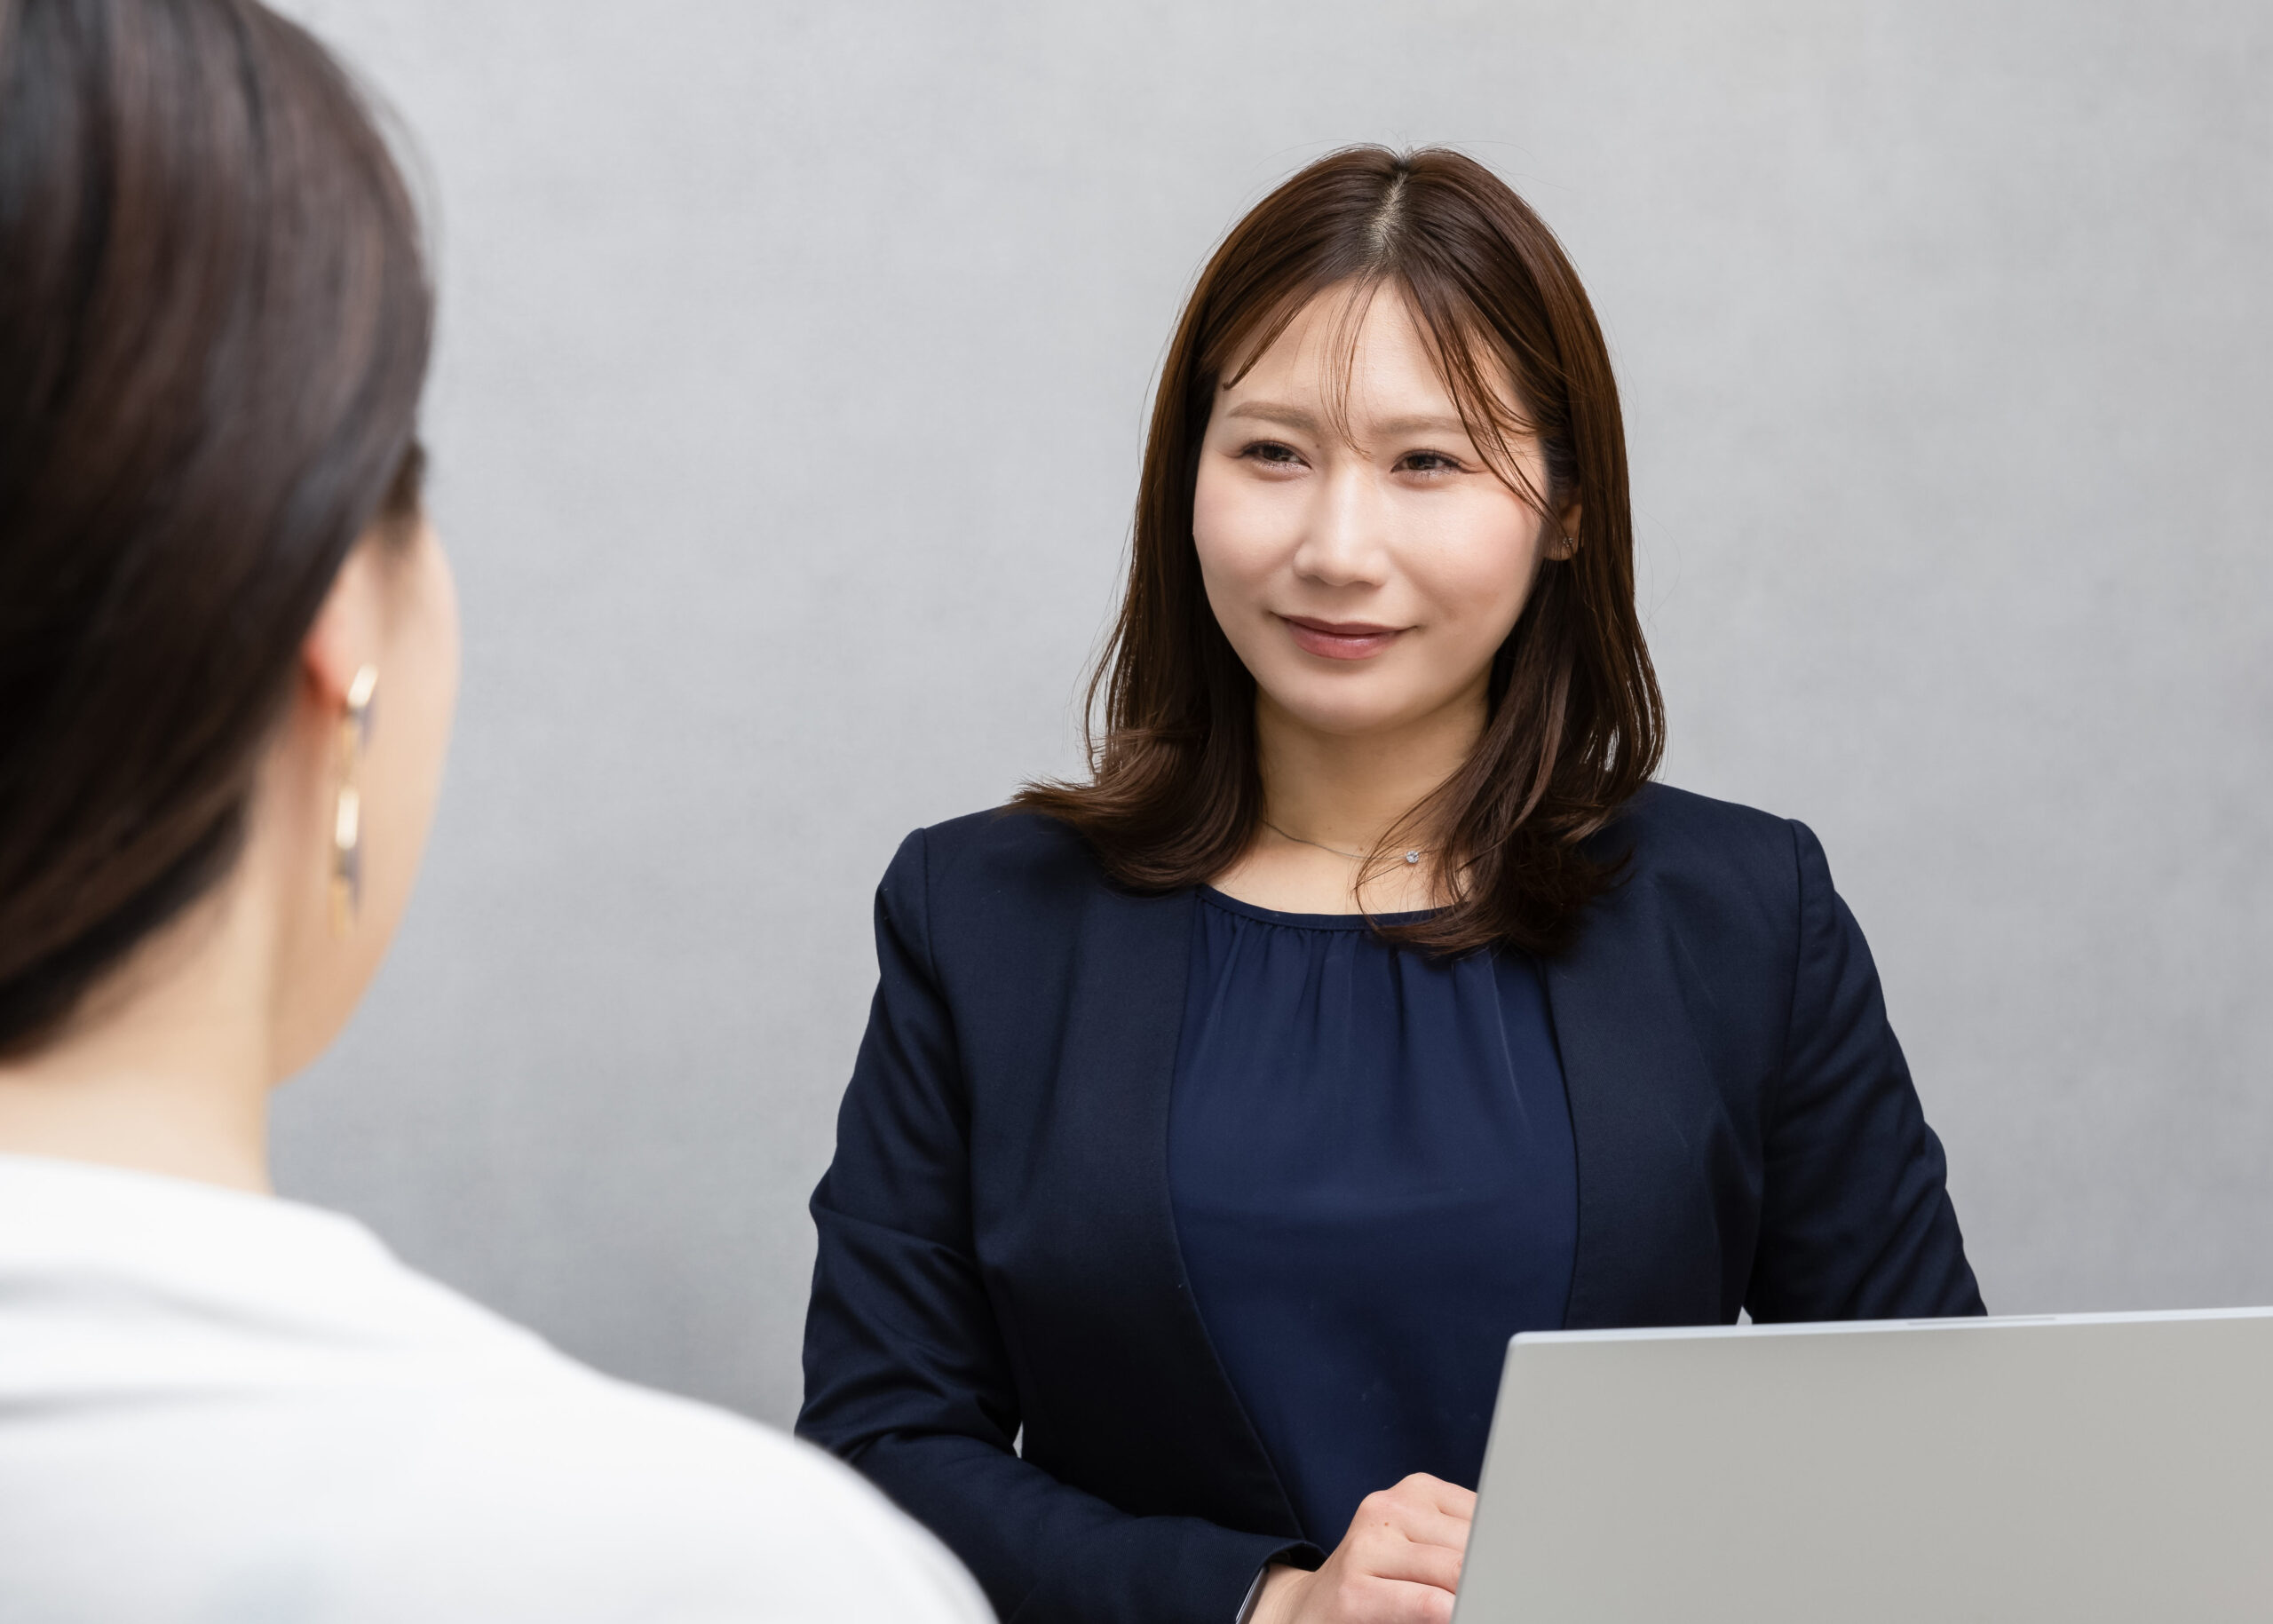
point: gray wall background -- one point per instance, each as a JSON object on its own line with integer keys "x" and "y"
{"x": 794, "y": 370}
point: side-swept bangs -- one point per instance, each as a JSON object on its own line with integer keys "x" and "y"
{"x": 1576, "y": 723}
{"x": 1480, "y": 371}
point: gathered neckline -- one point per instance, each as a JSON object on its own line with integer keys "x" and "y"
{"x": 1308, "y": 922}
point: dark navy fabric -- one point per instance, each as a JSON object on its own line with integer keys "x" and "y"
{"x": 997, "y": 1238}
{"x": 1370, "y": 1157}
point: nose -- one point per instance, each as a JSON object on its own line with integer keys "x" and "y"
{"x": 1343, "y": 543}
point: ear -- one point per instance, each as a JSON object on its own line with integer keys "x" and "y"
{"x": 346, "y": 633}
{"x": 1566, "y": 542}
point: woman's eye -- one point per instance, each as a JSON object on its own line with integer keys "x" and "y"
{"x": 1272, "y": 454}
{"x": 1427, "y": 462}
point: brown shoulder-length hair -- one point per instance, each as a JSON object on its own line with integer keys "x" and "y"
{"x": 1576, "y": 723}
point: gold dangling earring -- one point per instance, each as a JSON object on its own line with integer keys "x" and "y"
{"x": 347, "y": 820}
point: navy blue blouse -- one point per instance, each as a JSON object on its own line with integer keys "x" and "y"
{"x": 1374, "y": 1186}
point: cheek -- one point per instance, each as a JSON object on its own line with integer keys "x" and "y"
{"x": 1239, "y": 531}
{"x": 431, "y": 628}
{"x": 426, "y": 652}
{"x": 1476, "y": 570}
{"x": 449, "y": 633}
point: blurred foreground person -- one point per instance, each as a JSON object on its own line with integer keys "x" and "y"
{"x": 228, "y": 656}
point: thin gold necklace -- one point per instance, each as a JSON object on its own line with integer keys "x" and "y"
{"x": 1411, "y": 858}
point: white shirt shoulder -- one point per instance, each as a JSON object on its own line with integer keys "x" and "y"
{"x": 223, "y": 1407}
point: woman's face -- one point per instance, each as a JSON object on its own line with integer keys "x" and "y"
{"x": 1366, "y": 582}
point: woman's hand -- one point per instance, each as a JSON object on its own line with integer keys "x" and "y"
{"x": 1399, "y": 1564}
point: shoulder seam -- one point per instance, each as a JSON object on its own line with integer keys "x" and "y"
{"x": 1775, "y": 1095}
{"x": 923, "y": 860}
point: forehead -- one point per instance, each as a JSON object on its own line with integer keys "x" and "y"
{"x": 1347, "y": 341}
{"x": 1360, "y": 355}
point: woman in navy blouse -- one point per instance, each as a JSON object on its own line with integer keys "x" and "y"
{"x": 1220, "y": 1118}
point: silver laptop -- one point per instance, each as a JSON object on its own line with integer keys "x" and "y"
{"x": 2086, "y": 1467}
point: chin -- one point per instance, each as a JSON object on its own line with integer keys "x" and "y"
{"x": 1347, "y": 714}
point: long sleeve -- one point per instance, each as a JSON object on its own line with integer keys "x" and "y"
{"x": 907, "y": 1375}
{"x": 1856, "y": 1219}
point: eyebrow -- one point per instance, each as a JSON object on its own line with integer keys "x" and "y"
{"x": 1270, "y": 411}
{"x": 1306, "y": 423}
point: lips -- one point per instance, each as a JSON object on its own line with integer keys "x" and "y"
{"x": 1340, "y": 639}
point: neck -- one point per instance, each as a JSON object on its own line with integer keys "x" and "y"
{"x": 165, "y": 1068}
{"x": 1351, "y": 790}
